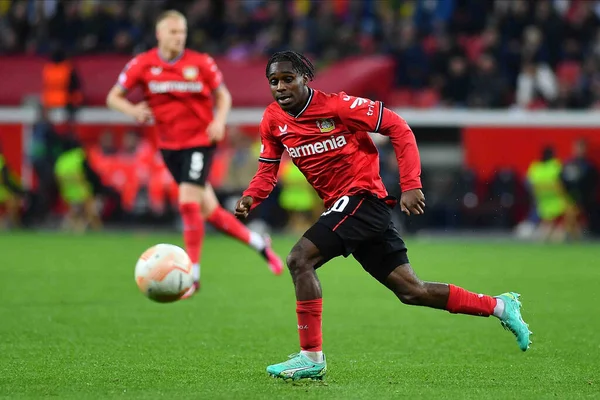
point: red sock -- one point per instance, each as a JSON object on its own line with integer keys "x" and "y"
{"x": 193, "y": 229}
{"x": 461, "y": 301}
{"x": 226, "y": 222}
{"x": 309, "y": 324}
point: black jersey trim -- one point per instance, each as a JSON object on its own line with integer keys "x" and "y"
{"x": 269, "y": 160}
{"x": 379, "y": 117}
{"x": 310, "y": 96}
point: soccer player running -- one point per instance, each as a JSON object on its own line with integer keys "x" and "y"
{"x": 326, "y": 136}
{"x": 181, "y": 87}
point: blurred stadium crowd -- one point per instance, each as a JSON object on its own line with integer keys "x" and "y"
{"x": 460, "y": 53}
{"x": 447, "y": 53}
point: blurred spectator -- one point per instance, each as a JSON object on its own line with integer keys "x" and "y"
{"x": 567, "y": 98}
{"x": 45, "y": 147}
{"x": 61, "y": 85}
{"x": 456, "y": 89}
{"x": 548, "y": 21}
{"x": 66, "y": 26}
{"x": 18, "y": 28}
{"x": 77, "y": 182}
{"x": 513, "y": 16}
{"x": 411, "y": 61}
{"x": 492, "y": 45}
{"x": 11, "y": 195}
{"x": 433, "y": 16}
{"x": 588, "y": 84}
{"x": 580, "y": 178}
{"x": 488, "y": 86}
{"x": 107, "y": 144}
{"x": 504, "y": 196}
{"x": 297, "y": 198}
{"x": 446, "y": 49}
{"x": 553, "y": 207}
{"x": 533, "y": 79}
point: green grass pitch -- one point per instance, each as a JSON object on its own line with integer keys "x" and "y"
{"x": 74, "y": 326}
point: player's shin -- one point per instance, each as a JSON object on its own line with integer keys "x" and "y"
{"x": 461, "y": 301}
{"x": 309, "y": 309}
{"x": 309, "y": 314}
{"x": 193, "y": 233}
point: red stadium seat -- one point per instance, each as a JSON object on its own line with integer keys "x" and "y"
{"x": 568, "y": 72}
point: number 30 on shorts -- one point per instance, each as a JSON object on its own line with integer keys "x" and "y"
{"x": 196, "y": 165}
{"x": 339, "y": 205}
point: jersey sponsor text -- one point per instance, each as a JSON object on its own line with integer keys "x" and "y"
{"x": 175, "y": 86}
{"x": 335, "y": 142}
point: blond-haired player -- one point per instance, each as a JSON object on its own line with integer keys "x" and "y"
{"x": 181, "y": 88}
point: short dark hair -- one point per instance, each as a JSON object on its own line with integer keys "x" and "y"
{"x": 548, "y": 153}
{"x": 300, "y": 63}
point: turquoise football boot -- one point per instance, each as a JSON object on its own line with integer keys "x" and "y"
{"x": 513, "y": 321}
{"x": 297, "y": 367}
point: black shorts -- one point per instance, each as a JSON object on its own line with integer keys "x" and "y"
{"x": 361, "y": 225}
{"x": 189, "y": 165}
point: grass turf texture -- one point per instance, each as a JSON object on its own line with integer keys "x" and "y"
{"x": 73, "y": 324}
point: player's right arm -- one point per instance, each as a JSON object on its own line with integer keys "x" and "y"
{"x": 265, "y": 179}
{"x": 129, "y": 78}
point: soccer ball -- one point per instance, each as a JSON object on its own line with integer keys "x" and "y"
{"x": 164, "y": 273}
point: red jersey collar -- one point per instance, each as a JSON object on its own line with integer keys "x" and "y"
{"x": 310, "y": 96}
{"x": 173, "y": 61}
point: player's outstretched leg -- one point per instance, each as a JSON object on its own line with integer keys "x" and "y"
{"x": 310, "y": 362}
{"x": 227, "y": 223}
{"x": 506, "y": 307}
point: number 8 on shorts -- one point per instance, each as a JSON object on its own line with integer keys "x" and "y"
{"x": 189, "y": 165}
{"x": 196, "y": 165}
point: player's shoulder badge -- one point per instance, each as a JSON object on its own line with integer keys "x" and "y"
{"x": 190, "y": 73}
{"x": 325, "y": 125}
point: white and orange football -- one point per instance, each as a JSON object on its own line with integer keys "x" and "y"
{"x": 164, "y": 273}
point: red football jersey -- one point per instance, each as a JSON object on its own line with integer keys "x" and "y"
{"x": 329, "y": 142}
{"x": 179, "y": 92}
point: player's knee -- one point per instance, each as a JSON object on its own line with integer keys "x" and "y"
{"x": 190, "y": 193}
{"x": 406, "y": 285}
{"x": 412, "y": 294}
{"x": 303, "y": 259}
{"x": 207, "y": 208}
{"x": 209, "y": 202}
{"x": 298, "y": 262}
{"x": 293, "y": 261}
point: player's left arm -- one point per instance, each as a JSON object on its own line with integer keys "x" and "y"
{"x": 371, "y": 116}
{"x": 222, "y": 97}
